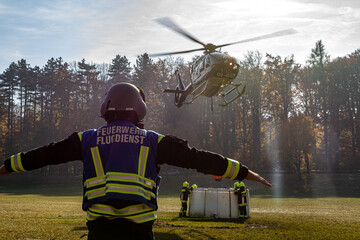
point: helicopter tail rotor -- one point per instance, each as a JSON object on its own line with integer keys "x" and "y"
{"x": 180, "y": 87}
{"x": 180, "y": 92}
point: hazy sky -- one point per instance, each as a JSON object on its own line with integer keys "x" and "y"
{"x": 98, "y": 30}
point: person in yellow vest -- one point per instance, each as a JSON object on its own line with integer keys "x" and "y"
{"x": 184, "y": 194}
{"x": 121, "y": 162}
{"x": 240, "y": 191}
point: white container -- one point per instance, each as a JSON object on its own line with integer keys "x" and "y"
{"x": 234, "y": 208}
{"x": 224, "y": 203}
{"x": 211, "y": 202}
{"x": 215, "y": 202}
{"x": 197, "y": 202}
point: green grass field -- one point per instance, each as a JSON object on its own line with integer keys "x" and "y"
{"x": 38, "y": 216}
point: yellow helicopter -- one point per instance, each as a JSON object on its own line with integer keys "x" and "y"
{"x": 212, "y": 72}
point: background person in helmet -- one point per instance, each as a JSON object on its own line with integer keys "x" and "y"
{"x": 184, "y": 195}
{"x": 240, "y": 191}
{"x": 121, "y": 164}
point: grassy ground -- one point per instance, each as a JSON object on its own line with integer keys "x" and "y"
{"x": 283, "y": 218}
{"x": 26, "y": 216}
{"x": 41, "y": 217}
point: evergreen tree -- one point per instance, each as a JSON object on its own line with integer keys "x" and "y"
{"x": 143, "y": 71}
{"x": 318, "y": 61}
{"x": 119, "y": 70}
{"x": 9, "y": 85}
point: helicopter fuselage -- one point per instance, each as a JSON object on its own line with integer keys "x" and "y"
{"x": 211, "y": 73}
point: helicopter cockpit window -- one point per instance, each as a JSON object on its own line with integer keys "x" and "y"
{"x": 201, "y": 66}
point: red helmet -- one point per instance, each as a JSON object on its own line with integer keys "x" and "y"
{"x": 124, "y": 97}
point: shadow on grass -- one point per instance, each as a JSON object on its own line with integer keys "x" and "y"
{"x": 83, "y": 228}
{"x": 167, "y": 236}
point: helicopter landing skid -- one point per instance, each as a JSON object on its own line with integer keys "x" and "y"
{"x": 239, "y": 93}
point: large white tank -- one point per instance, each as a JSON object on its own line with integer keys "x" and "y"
{"x": 197, "y": 202}
{"x": 215, "y": 202}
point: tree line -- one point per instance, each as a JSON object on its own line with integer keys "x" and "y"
{"x": 292, "y": 117}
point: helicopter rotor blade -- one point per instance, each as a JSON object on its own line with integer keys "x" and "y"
{"x": 173, "y": 53}
{"x": 167, "y": 22}
{"x": 289, "y": 31}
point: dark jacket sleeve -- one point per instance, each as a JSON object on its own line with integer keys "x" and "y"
{"x": 66, "y": 150}
{"x": 177, "y": 152}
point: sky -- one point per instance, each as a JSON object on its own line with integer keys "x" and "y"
{"x": 98, "y": 30}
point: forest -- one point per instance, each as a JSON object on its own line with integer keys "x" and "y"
{"x": 292, "y": 118}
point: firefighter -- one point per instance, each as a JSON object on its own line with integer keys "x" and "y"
{"x": 184, "y": 194}
{"x": 121, "y": 161}
{"x": 240, "y": 191}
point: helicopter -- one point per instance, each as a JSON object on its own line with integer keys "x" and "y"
{"x": 212, "y": 72}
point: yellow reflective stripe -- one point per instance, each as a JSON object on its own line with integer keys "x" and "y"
{"x": 91, "y": 182}
{"x": 138, "y": 218}
{"x": 13, "y": 164}
{"x": 127, "y": 189}
{"x": 98, "y": 192}
{"x": 16, "y": 164}
{"x": 144, "y": 152}
{"x": 92, "y": 216}
{"x": 160, "y": 138}
{"x": 130, "y": 210}
{"x": 232, "y": 169}
{"x": 142, "y": 182}
{"x": 97, "y": 161}
{"x": 119, "y": 188}
{"x": 145, "y": 217}
{"x": 141, "y": 178}
{"x": 80, "y": 136}
{"x": 126, "y": 177}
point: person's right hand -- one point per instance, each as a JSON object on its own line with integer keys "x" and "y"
{"x": 3, "y": 170}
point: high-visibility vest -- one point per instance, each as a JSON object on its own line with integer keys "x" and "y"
{"x": 242, "y": 198}
{"x": 120, "y": 163}
{"x": 184, "y": 194}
